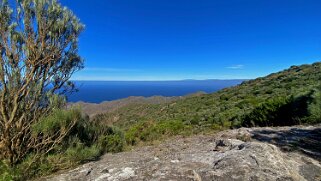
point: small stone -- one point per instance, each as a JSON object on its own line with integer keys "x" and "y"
{"x": 89, "y": 171}
{"x": 105, "y": 170}
{"x": 127, "y": 173}
{"x": 174, "y": 161}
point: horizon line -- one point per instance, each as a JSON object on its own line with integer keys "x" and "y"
{"x": 170, "y": 80}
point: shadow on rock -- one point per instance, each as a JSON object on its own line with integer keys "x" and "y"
{"x": 306, "y": 141}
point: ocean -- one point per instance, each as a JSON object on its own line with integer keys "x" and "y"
{"x": 99, "y": 91}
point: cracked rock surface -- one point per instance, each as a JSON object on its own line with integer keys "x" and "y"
{"x": 285, "y": 153}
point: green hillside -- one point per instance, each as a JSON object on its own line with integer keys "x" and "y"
{"x": 284, "y": 98}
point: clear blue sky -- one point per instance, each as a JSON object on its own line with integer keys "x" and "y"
{"x": 195, "y": 39}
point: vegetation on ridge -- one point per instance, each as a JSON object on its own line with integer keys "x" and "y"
{"x": 288, "y": 97}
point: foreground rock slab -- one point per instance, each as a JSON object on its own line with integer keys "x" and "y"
{"x": 242, "y": 154}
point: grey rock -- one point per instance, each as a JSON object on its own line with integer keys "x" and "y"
{"x": 226, "y": 144}
{"x": 242, "y": 154}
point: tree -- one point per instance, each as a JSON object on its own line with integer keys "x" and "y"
{"x": 38, "y": 55}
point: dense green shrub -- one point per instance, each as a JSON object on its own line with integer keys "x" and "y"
{"x": 81, "y": 153}
{"x": 149, "y": 131}
{"x": 314, "y": 107}
{"x": 113, "y": 141}
{"x": 267, "y": 114}
{"x": 85, "y": 141}
{"x": 284, "y": 111}
{"x": 59, "y": 119}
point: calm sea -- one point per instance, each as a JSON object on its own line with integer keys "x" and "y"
{"x": 99, "y": 91}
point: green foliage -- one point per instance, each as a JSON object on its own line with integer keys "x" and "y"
{"x": 285, "y": 111}
{"x": 80, "y": 153}
{"x": 7, "y": 173}
{"x": 113, "y": 141}
{"x": 58, "y": 119}
{"x": 314, "y": 108}
{"x": 267, "y": 114}
{"x": 86, "y": 141}
{"x": 149, "y": 131}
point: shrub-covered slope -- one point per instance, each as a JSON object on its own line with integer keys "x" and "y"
{"x": 93, "y": 109}
{"x": 283, "y": 98}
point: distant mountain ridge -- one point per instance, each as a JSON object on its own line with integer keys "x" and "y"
{"x": 93, "y": 109}
{"x": 100, "y": 91}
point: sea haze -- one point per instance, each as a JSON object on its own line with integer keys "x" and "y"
{"x": 99, "y": 91}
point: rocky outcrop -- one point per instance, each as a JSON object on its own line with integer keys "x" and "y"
{"x": 243, "y": 154}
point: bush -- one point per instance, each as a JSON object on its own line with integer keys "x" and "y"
{"x": 113, "y": 141}
{"x": 267, "y": 114}
{"x": 150, "y": 131}
{"x": 80, "y": 153}
{"x": 56, "y": 121}
{"x": 85, "y": 141}
{"x": 314, "y": 107}
{"x": 281, "y": 111}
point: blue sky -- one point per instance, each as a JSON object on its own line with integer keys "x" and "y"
{"x": 195, "y": 39}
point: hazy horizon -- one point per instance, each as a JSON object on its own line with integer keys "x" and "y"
{"x": 99, "y": 91}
